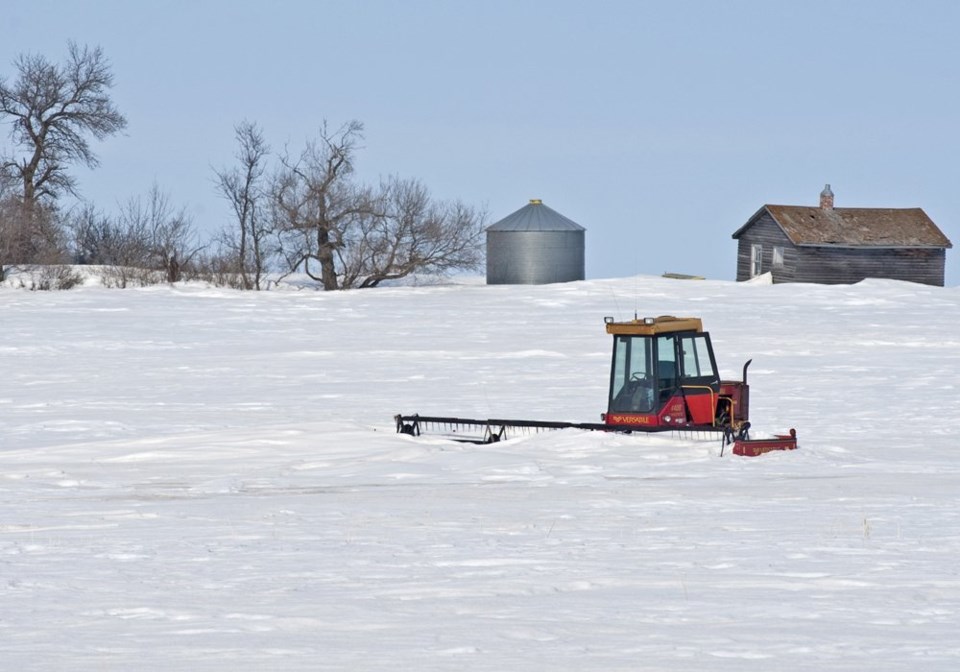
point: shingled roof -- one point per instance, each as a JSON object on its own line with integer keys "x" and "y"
{"x": 853, "y": 227}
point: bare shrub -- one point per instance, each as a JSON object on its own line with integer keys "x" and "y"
{"x": 245, "y": 243}
{"x": 52, "y": 277}
{"x": 149, "y": 242}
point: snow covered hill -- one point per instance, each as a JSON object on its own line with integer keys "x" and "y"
{"x": 202, "y": 479}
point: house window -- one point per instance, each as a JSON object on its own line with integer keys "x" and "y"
{"x": 778, "y": 257}
{"x": 756, "y": 260}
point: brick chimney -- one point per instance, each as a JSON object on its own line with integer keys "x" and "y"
{"x": 826, "y": 198}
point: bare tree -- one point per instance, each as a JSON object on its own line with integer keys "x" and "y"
{"x": 315, "y": 203}
{"x": 244, "y": 189}
{"x": 361, "y": 236}
{"x": 411, "y": 233}
{"x": 53, "y": 109}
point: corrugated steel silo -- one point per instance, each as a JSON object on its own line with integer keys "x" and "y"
{"x": 535, "y": 245}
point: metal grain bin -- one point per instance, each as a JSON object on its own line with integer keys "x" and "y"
{"x": 535, "y": 245}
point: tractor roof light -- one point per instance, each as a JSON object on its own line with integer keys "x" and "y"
{"x": 649, "y": 320}
{"x": 608, "y": 320}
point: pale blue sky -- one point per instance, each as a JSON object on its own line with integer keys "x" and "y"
{"x": 661, "y": 127}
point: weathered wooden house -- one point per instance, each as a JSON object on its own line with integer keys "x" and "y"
{"x": 830, "y": 245}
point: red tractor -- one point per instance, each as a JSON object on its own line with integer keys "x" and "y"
{"x": 664, "y": 374}
{"x": 663, "y": 377}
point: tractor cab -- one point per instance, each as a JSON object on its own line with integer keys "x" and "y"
{"x": 664, "y": 374}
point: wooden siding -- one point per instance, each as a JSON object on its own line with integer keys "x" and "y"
{"x": 765, "y": 232}
{"x": 835, "y": 265}
{"x": 848, "y": 265}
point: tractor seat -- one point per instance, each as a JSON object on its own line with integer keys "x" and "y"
{"x": 667, "y": 372}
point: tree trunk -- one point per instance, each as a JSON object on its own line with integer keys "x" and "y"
{"x": 328, "y": 271}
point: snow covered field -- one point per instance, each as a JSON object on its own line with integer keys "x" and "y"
{"x": 202, "y": 479}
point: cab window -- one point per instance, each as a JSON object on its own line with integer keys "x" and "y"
{"x": 697, "y": 362}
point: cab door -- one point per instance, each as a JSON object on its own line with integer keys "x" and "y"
{"x": 631, "y": 379}
{"x": 699, "y": 380}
